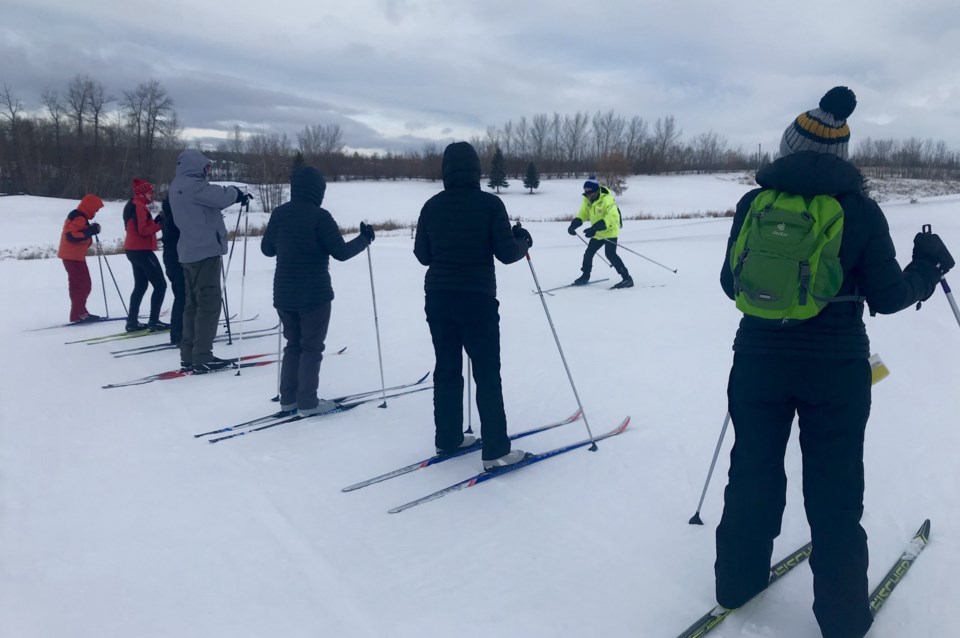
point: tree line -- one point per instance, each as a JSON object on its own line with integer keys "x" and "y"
{"x": 85, "y": 138}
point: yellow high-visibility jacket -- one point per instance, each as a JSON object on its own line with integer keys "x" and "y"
{"x": 605, "y": 208}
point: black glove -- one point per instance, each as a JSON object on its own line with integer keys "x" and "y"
{"x": 243, "y": 198}
{"x": 94, "y": 229}
{"x": 367, "y": 231}
{"x": 522, "y": 233}
{"x": 574, "y": 225}
{"x": 596, "y": 228}
{"x": 930, "y": 248}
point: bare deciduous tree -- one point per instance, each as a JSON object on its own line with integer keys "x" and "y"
{"x": 521, "y": 138}
{"x": 665, "y": 137}
{"x": 320, "y": 139}
{"x": 270, "y": 166}
{"x": 56, "y": 111}
{"x": 98, "y": 101}
{"x": 148, "y": 109}
{"x": 608, "y": 133}
{"x": 635, "y": 139}
{"x": 574, "y": 134}
{"x": 78, "y": 101}
{"x": 539, "y": 136}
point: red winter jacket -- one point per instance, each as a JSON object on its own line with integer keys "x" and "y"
{"x": 141, "y": 229}
{"x": 75, "y": 236}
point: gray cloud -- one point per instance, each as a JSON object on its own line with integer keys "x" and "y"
{"x": 395, "y": 74}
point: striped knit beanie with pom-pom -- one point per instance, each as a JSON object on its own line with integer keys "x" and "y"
{"x": 824, "y": 129}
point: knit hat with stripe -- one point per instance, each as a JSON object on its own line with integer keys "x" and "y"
{"x": 824, "y": 129}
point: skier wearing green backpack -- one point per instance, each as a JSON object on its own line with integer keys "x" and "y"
{"x": 806, "y": 250}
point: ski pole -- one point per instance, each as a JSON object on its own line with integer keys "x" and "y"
{"x": 103, "y": 285}
{"x": 673, "y": 270}
{"x": 598, "y": 255}
{"x": 927, "y": 229}
{"x": 695, "y": 519}
{"x": 243, "y": 284}
{"x": 226, "y": 306}
{"x": 543, "y": 300}
{"x": 110, "y": 270}
{"x": 376, "y": 323}
{"x": 953, "y": 302}
{"x": 234, "y": 241}
{"x": 469, "y": 399}
{"x": 279, "y": 356}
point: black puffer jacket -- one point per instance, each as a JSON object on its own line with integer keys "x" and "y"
{"x": 171, "y": 234}
{"x": 303, "y": 237}
{"x": 462, "y": 229}
{"x": 870, "y": 268}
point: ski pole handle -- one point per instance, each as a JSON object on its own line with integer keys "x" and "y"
{"x": 926, "y": 229}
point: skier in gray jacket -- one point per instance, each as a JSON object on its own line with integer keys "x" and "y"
{"x": 203, "y": 241}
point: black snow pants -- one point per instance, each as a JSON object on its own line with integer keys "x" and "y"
{"x": 171, "y": 265}
{"x": 146, "y": 269}
{"x": 832, "y": 401}
{"x": 305, "y": 332}
{"x": 609, "y": 249}
{"x": 467, "y": 321}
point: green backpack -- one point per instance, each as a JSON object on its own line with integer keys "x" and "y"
{"x": 785, "y": 261}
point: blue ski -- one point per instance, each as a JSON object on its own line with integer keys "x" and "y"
{"x": 530, "y": 460}
{"x": 440, "y": 458}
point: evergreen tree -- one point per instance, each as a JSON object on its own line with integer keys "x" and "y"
{"x": 532, "y": 180}
{"x": 498, "y": 172}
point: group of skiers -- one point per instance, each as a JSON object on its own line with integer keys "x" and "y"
{"x": 194, "y": 241}
{"x": 813, "y": 363}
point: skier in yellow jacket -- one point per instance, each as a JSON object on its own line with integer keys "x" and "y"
{"x": 600, "y": 209}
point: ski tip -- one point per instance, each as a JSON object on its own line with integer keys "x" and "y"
{"x": 576, "y": 416}
{"x": 924, "y": 531}
{"x": 623, "y": 425}
{"x": 423, "y": 378}
{"x": 342, "y": 350}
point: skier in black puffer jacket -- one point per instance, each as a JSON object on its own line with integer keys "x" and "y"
{"x": 303, "y": 237}
{"x": 817, "y": 369}
{"x": 460, "y": 231}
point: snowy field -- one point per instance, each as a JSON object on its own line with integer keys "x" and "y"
{"x": 115, "y": 521}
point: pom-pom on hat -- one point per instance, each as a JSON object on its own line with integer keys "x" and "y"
{"x": 142, "y": 188}
{"x": 591, "y": 184}
{"x": 824, "y": 129}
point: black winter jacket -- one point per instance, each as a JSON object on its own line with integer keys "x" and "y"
{"x": 870, "y": 268}
{"x": 462, "y": 229}
{"x": 171, "y": 234}
{"x": 303, "y": 237}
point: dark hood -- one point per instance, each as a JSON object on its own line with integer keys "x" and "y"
{"x": 461, "y": 166}
{"x": 809, "y": 173}
{"x": 307, "y": 184}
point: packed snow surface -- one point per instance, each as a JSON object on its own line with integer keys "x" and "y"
{"x": 116, "y": 521}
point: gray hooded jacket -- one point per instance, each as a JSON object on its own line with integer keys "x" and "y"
{"x": 198, "y": 205}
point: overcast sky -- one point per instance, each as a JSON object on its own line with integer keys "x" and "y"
{"x": 396, "y": 73}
